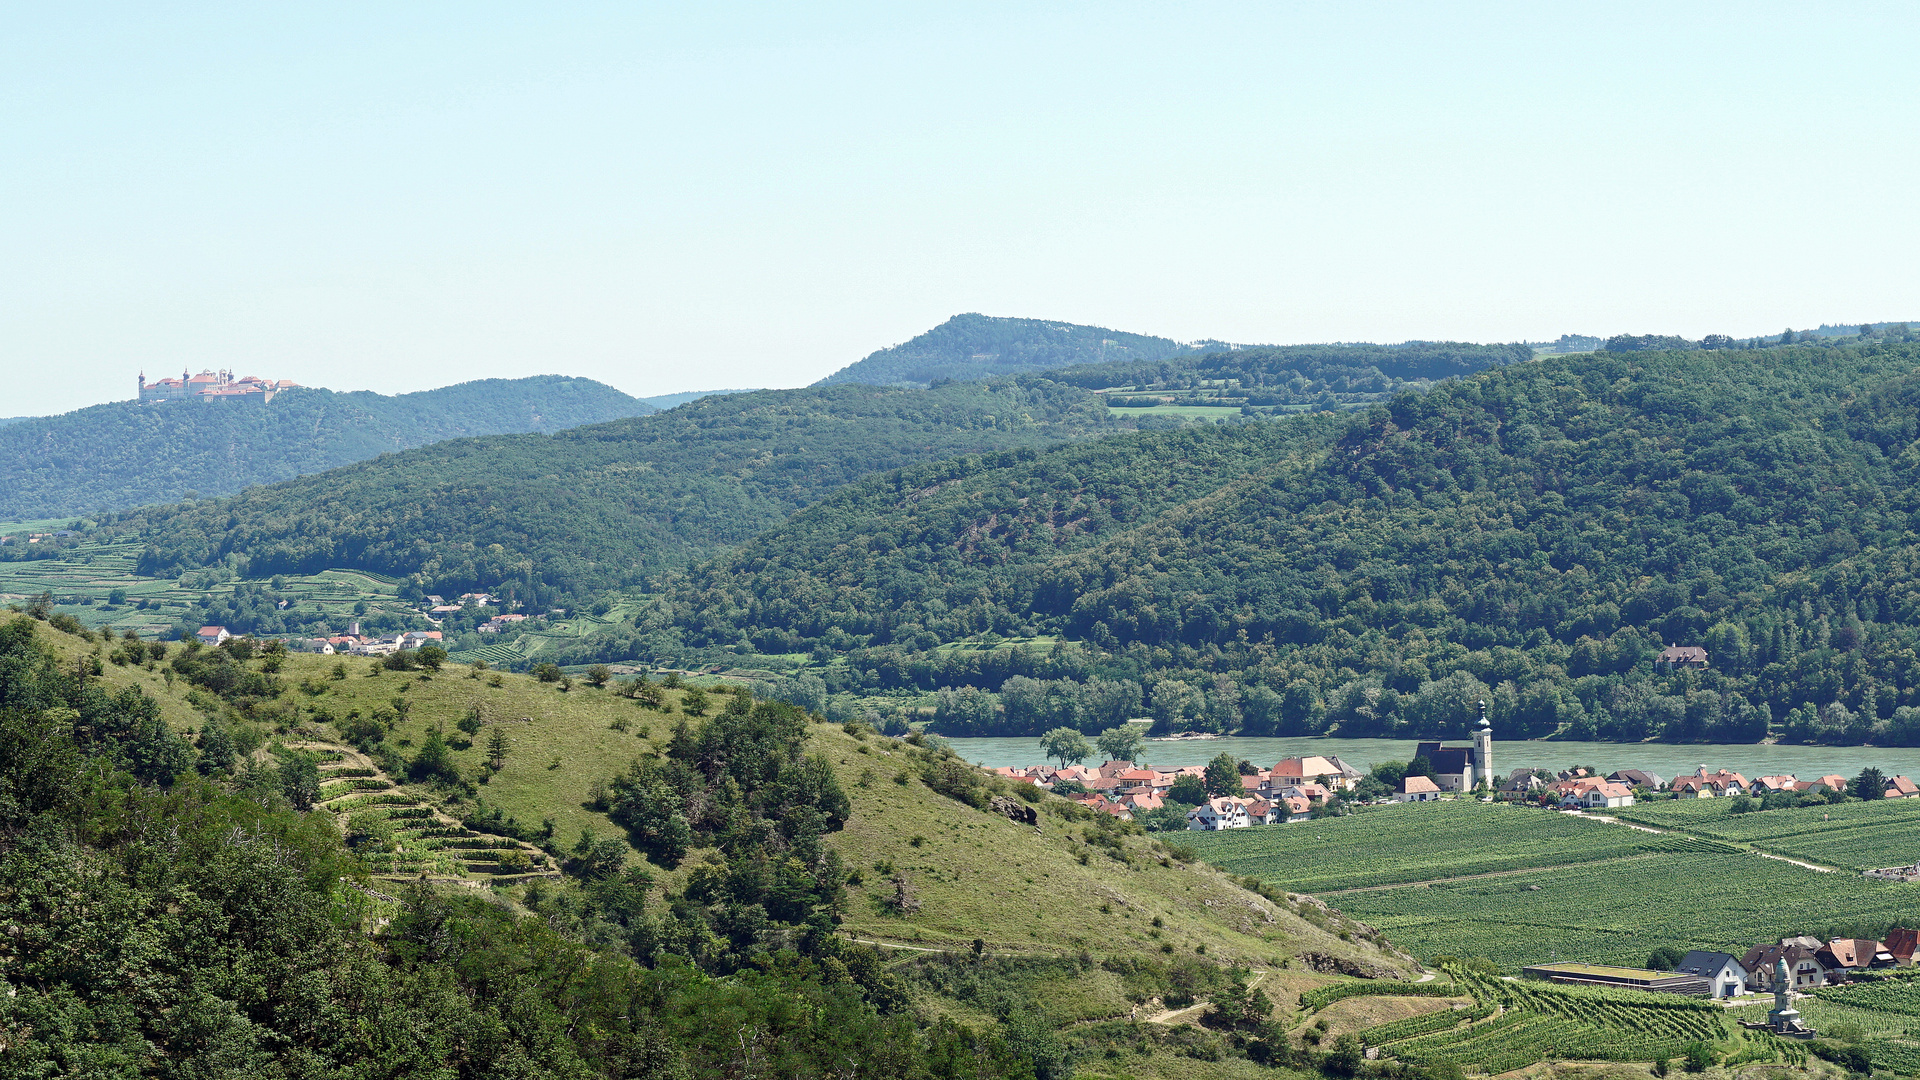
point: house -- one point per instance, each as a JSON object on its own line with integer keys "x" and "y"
{"x": 1256, "y": 784}
{"x": 1899, "y": 787}
{"x": 1680, "y": 656}
{"x": 1703, "y": 784}
{"x": 1802, "y": 963}
{"x": 1770, "y": 785}
{"x": 1218, "y": 813}
{"x": 1296, "y": 808}
{"x": 212, "y": 635}
{"x": 1417, "y": 789}
{"x": 1592, "y": 794}
{"x": 1723, "y": 970}
{"x": 1902, "y": 944}
{"x": 1331, "y": 771}
{"x": 1637, "y": 778}
{"x": 1854, "y": 954}
{"x": 1823, "y": 783}
{"x": 1522, "y": 782}
{"x": 1115, "y": 768}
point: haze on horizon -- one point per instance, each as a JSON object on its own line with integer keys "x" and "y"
{"x": 396, "y": 198}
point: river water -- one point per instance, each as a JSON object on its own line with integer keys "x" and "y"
{"x": 1665, "y": 759}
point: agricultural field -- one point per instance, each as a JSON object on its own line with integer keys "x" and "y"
{"x": 1486, "y": 1024}
{"x": 1429, "y": 842}
{"x": 1616, "y": 913}
{"x": 1854, "y": 835}
{"x": 84, "y": 581}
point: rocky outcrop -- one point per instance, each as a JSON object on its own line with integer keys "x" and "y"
{"x": 1015, "y": 810}
{"x": 1327, "y": 964}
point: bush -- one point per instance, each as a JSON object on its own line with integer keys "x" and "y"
{"x": 547, "y": 672}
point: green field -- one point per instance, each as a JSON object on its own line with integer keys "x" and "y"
{"x": 1616, "y": 913}
{"x": 1567, "y": 889}
{"x": 1428, "y": 842}
{"x": 1854, "y": 835}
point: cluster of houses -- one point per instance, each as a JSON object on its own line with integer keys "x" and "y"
{"x": 213, "y": 386}
{"x": 358, "y": 644}
{"x": 1576, "y": 788}
{"x": 1286, "y": 792}
{"x": 1809, "y": 964}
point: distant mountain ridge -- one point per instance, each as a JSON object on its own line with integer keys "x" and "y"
{"x": 124, "y": 454}
{"x": 975, "y": 346}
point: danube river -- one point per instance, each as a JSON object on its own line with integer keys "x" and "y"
{"x": 1665, "y": 759}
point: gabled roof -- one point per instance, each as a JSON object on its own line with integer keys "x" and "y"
{"x": 1903, "y": 943}
{"x": 1701, "y": 962}
{"x": 1683, "y": 654}
{"x": 1418, "y": 785}
{"x": 1902, "y": 786}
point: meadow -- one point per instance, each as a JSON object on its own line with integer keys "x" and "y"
{"x": 1413, "y": 843}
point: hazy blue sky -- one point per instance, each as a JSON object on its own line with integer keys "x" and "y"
{"x": 397, "y": 196}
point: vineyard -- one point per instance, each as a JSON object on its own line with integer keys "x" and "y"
{"x": 1516, "y": 1024}
{"x": 1401, "y": 845}
{"x": 1859, "y": 835}
{"x": 1615, "y": 913}
{"x": 1901, "y": 996}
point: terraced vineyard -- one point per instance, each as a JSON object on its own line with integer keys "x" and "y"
{"x": 1402, "y": 844}
{"x": 1615, "y": 913}
{"x": 84, "y": 580}
{"x": 1899, "y": 996}
{"x": 425, "y": 841}
{"x": 1517, "y": 1024}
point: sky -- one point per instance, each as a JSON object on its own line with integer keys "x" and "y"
{"x": 677, "y": 197}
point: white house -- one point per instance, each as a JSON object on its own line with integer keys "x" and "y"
{"x": 1417, "y": 789}
{"x": 212, "y": 635}
{"x": 1218, "y": 813}
{"x": 1729, "y": 979}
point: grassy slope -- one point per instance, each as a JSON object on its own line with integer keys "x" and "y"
{"x": 978, "y": 874}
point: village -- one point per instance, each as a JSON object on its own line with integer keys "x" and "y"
{"x": 1300, "y": 788}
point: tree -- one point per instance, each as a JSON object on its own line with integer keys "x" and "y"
{"x": 430, "y": 657}
{"x": 547, "y": 672}
{"x": 1870, "y": 784}
{"x": 1187, "y": 789}
{"x": 599, "y": 674}
{"x": 1223, "y": 776}
{"x": 1122, "y": 743}
{"x": 1421, "y": 765}
{"x": 300, "y": 781}
{"x": 1068, "y": 745}
{"x": 497, "y": 744}
{"x": 1665, "y": 958}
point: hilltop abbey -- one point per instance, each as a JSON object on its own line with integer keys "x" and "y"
{"x": 213, "y": 386}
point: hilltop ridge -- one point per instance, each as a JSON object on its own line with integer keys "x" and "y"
{"x": 123, "y": 454}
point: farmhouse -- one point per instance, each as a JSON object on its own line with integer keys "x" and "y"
{"x": 1899, "y": 787}
{"x": 1723, "y": 970}
{"x": 211, "y": 635}
{"x": 1803, "y": 965}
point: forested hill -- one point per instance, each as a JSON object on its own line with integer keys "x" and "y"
{"x": 977, "y": 346}
{"x": 1532, "y": 534}
{"x": 542, "y": 517}
{"x": 124, "y": 454}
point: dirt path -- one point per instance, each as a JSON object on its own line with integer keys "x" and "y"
{"x": 1476, "y": 877}
{"x": 1804, "y": 865}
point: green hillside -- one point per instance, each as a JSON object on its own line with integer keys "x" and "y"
{"x": 125, "y": 454}
{"x": 542, "y": 517}
{"x": 1530, "y": 534}
{"x": 396, "y": 870}
{"x": 976, "y": 346}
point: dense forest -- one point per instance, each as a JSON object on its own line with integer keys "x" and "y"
{"x": 125, "y": 454}
{"x": 546, "y": 517}
{"x": 1291, "y": 377}
{"x": 1534, "y": 535}
{"x": 976, "y": 346}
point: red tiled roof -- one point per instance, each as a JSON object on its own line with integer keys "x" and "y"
{"x": 1418, "y": 785}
